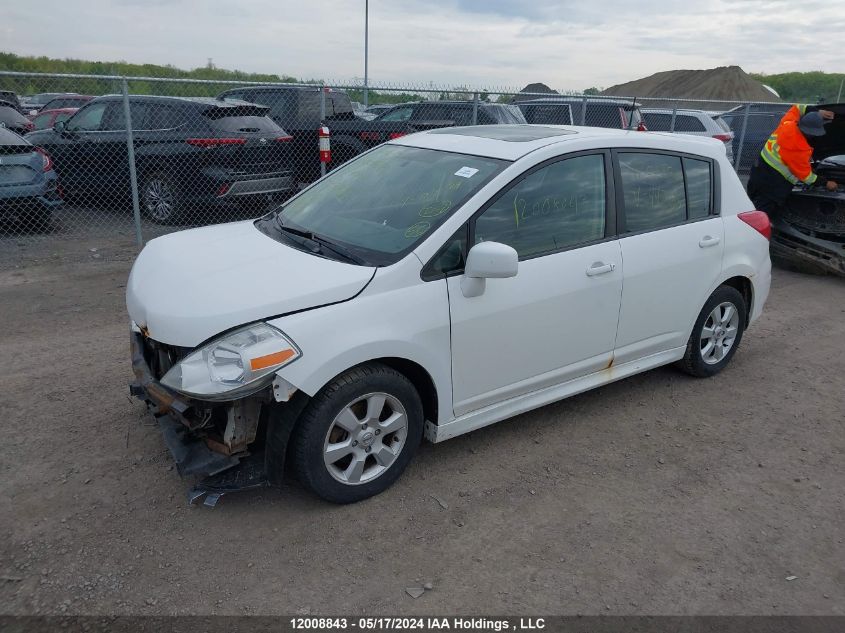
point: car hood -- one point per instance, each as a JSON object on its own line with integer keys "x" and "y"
{"x": 188, "y": 286}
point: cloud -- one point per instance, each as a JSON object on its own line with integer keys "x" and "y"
{"x": 566, "y": 44}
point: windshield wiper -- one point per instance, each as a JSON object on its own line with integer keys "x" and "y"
{"x": 315, "y": 243}
{"x": 338, "y": 249}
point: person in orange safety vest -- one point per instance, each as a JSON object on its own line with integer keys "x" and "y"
{"x": 784, "y": 162}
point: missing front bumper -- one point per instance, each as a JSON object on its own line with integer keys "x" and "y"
{"x": 192, "y": 455}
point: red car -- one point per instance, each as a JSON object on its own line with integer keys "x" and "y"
{"x": 48, "y": 118}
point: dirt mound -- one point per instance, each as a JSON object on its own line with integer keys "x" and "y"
{"x": 533, "y": 91}
{"x": 726, "y": 83}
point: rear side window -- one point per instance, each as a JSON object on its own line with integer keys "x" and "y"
{"x": 164, "y": 117}
{"x": 686, "y": 123}
{"x": 599, "y": 115}
{"x": 658, "y": 122}
{"x": 653, "y": 190}
{"x": 549, "y": 114}
{"x": 661, "y": 190}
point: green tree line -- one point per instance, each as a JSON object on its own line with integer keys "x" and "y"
{"x": 96, "y": 85}
{"x": 809, "y": 87}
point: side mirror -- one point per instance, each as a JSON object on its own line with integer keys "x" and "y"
{"x": 60, "y": 127}
{"x": 487, "y": 260}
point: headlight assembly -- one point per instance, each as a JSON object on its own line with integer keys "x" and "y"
{"x": 234, "y": 365}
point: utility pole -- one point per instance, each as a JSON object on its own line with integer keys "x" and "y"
{"x": 366, "y": 49}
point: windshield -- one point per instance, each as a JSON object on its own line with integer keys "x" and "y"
{"x": 381, "y": 205}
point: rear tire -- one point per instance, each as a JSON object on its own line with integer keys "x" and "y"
{"x": 161, "y": 199}
{"x": 716, "y": 334}
{"x": 357, "y": 435}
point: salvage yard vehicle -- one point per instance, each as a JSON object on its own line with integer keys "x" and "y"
{"x": 434, "y": 285}
{"x": 623, "y": 114}
{"x": 298, "y": 110}
{"x": 688, "y": 121}
{"x": 29, "y": 189}
{"x": 810, "y": 235}
{"x": 188, "y": 151}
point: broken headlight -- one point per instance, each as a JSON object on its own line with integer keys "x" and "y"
{"x": 236, "y": 364}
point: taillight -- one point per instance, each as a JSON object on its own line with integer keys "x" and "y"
{"x": 46, "y": 161}
{"x": 394, "y": 135}
{"x": 725, "y": 138}
{"x": 284, "y": 139}
{"x": 214, "y": 142}
{"x": 224, "y": 189}
{"x": 370, "y": 136}
{"x": 641, "y": 127}
{"x": 759, "y": 221}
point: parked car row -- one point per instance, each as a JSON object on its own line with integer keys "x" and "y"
{"x": 260, "y": 142}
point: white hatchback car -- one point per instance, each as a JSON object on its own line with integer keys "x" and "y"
{"x": 434, "y": 285}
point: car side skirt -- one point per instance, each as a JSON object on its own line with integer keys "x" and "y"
{"x": 509, "y": 408}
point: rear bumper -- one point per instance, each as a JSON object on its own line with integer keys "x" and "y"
{"x": 260, "y": 186}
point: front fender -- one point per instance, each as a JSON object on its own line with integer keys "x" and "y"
{"x": 409, "y": 323}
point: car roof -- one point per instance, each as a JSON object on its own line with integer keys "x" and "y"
{"x": 512, "y": 142}
{"x": 590, "y": 101}
{"x": 671, "y": 110}
{"x": 197, "y": 101}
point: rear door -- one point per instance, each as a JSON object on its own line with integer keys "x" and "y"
{"x": 672, "y": 241}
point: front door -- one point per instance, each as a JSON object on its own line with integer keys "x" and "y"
{"x": 556, "y": 320}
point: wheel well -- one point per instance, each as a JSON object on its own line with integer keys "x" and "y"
{"x": 743, "y": 285}
{"x": 420, "y": 378}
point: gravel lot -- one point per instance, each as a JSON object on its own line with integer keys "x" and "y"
{"x": 660, "y": 494}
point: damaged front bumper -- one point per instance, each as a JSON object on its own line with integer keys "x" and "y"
{"x": 190, "y": 429}
{"x": 809, "y": 250}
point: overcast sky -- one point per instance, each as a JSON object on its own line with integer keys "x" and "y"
{"x": 480, "y": 43}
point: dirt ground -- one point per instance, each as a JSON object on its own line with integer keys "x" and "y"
{"x": 660, "y": 494}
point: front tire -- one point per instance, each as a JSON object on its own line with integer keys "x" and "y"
{"x": 717, "y": 333}
{"x": 357, "y": 435}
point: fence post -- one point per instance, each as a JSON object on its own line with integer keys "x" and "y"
{"x": 674, "y": 115}
{"x": 583, "y": 111}
{"x": 322, "y": 122}
{"x": 475, "y": 108}
{"x": 738, "y": 157}
{"x": 133, "y": 175}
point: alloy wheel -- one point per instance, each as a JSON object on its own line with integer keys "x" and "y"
{"x": 719, "y": 333}
{"x": 159, "y": 200}
{"x": 365, "y": 438}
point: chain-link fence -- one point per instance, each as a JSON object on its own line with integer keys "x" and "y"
{"x": 140, "y": 156}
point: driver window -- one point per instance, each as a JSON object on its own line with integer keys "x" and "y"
{"x": 556, "y": 207}
{"x": 88, "y": 119}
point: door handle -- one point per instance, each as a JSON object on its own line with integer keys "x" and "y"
{"x": 708, "y": 241}
{"x": 600, "y": 268}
